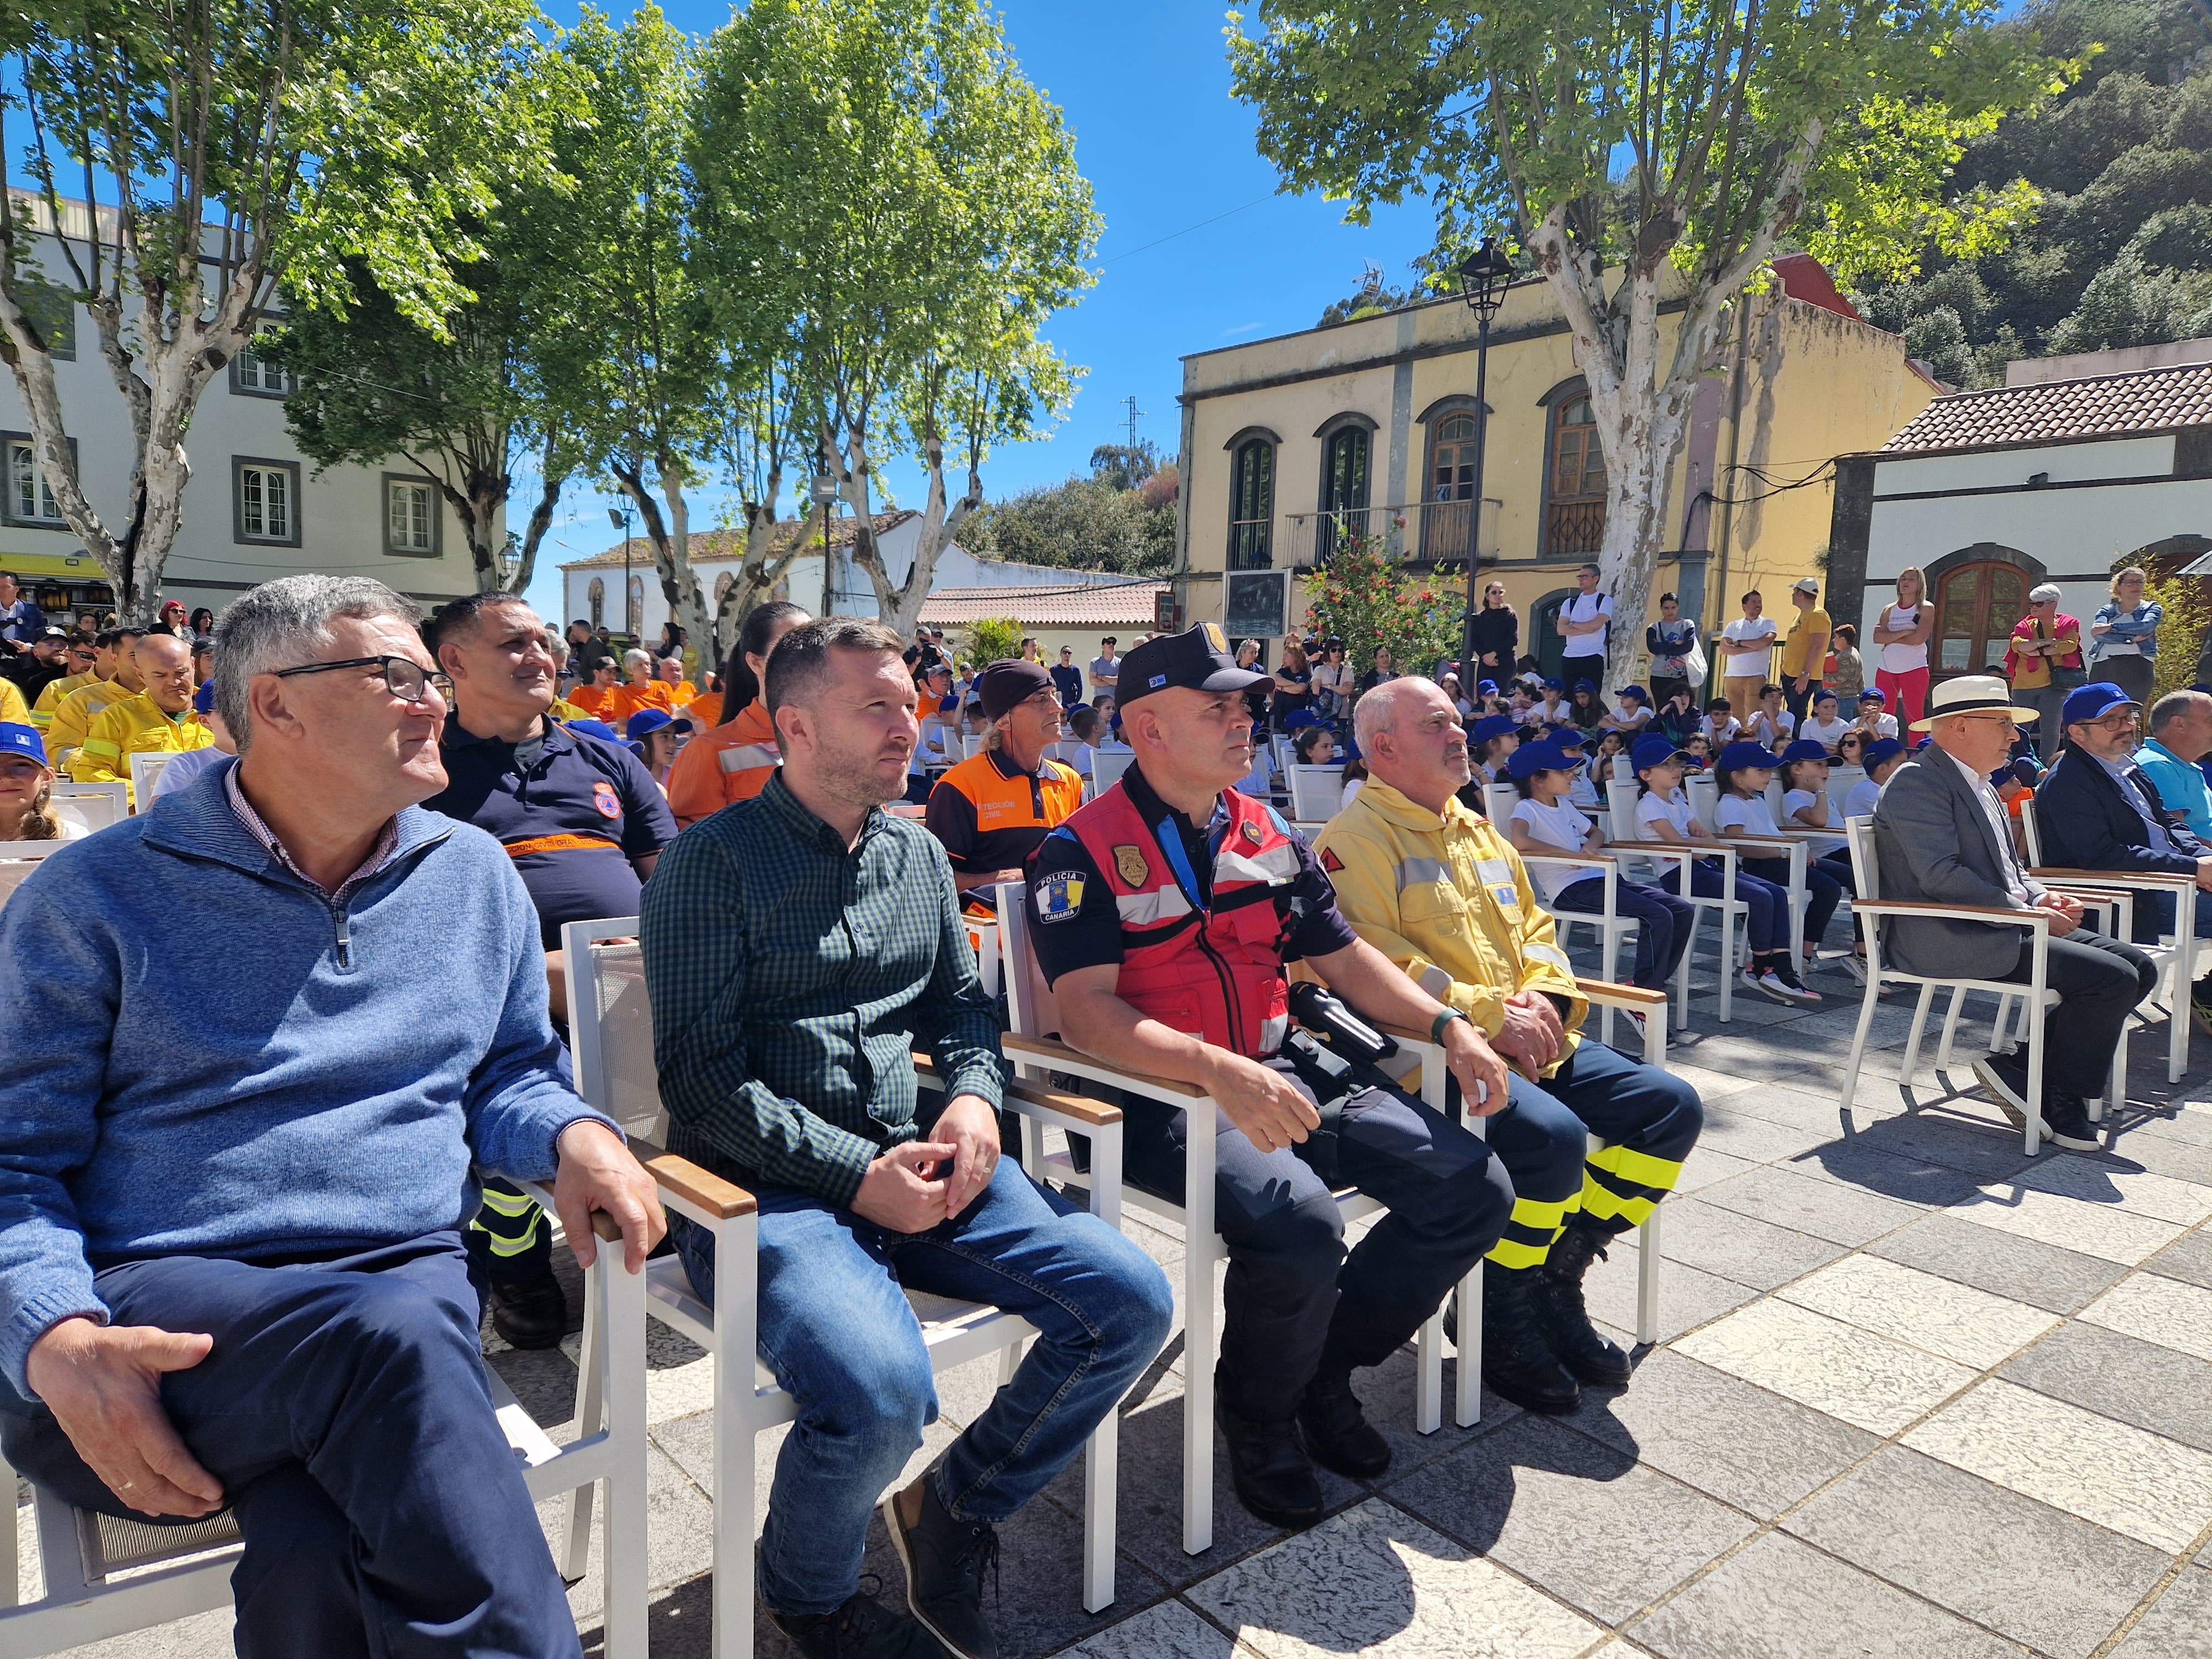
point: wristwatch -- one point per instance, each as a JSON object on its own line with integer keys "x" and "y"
{"x": 1436, "y": 1025}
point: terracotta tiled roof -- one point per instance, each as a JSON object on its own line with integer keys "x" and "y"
{"x": 2147, "y": 400}
{"x": 728, "y": 546}
{"x": 1116, "y": 602}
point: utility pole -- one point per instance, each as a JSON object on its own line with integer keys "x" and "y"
{"x": 1131, "y": 403}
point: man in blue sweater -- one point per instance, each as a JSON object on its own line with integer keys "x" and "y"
{"x": 234, "y": 1167}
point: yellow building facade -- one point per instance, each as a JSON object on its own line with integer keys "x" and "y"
{"x": 1289, "y": 444}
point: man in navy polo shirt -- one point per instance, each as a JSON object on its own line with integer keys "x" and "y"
{"x": 584, "y": 823}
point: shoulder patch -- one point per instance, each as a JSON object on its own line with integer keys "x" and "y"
{"x": 1251, "y": 832}
{"x": 1330, "y": 862}
{"x": 1129, "y": 860}
{"x": 1059, "y": 896}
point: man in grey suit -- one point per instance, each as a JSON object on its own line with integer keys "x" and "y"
{"x": 1943, "y": 835}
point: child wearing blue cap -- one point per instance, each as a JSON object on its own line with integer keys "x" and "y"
{"x": 1881, "y": 757}
{"x": 1805, "y": 807}
{"x": 1743, "y": 771}
{"x": 1490, "y": 741}
{"x": 1632, "y": 711}
{"x": 1546, "y": 822}
{"x": 27, "y": 788}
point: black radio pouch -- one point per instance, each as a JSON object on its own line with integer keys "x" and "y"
{"x": 1333, "y": 1054}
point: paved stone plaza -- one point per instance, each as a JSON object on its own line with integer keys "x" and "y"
{"x": 1918, "y": 1396}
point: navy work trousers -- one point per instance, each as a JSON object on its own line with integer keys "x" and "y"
{"x": 345, "y": 1409}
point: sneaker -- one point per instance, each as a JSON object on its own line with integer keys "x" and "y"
{"x": 1635, "y": 1026}
{"x": 861, "y": 1629}
{"x": 530, "y": 1313}
{"x": 945, "y": 1561}
{"x": 1795, "y": 987}
{"x": 2066, "y": 1123}
{"x": 1854, "y": 964}
{"x": 2005, "y": 1076}
{"x": 2200, "y": 1009}
{"x": 1766, "y": 985}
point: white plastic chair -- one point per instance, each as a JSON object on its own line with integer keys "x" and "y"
{"x": 1842, "y": 780}
{"x": 176, "y": 1571}
{"x": 1107, "y": 765}
{"x": 1729, "y": 910}
{"x": 144, "y": 770}
{"x": 18, "y": 859}
{"x": 1875, "y": 910}
{"x": 1315, "y": 793}
{"x": 94, "y": 806}
{"x": 611, "y": 1031}
{"x": 1703, "y": 790}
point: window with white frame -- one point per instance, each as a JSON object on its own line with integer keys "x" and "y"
{"x": 257, "y": 378}
{"x": 268, "y": 501}
{"x": 29, "y": 500}
{"x": 411, "y": 516}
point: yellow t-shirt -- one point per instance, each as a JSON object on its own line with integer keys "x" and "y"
{"x": 1808, "y": 623}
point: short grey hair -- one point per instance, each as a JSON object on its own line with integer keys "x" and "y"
{"x": 2173, "y": 706}
{"x": 286, "y": 623}
{"x": 557, "y": 643}
{"x": 1375, "y": 711}
{"x": 635, "y": 655}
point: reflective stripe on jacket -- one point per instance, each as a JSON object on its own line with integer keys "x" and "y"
{"x": 1216, "y": 973}
{"x": 731, "y": 763}
{"x": 132, "y": 726}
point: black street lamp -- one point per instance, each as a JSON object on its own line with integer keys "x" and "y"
{"x": 619, "y": 517}
{"x": 1483, "y": 279}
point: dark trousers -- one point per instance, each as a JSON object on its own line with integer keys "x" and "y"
{"x": 2098, "y": 979}
{"x": 1798, "y": 701}
{"x": 1823, "y": 892}
{"x": 1294, "y": 1301}
{"x": 1839, "y": 867}
{"x": 1663, "y": 931}
{"x": 1767, "y": 906}
{"x": 343, "y": 1407}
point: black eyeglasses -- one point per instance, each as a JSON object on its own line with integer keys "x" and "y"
{"x": 403, "y": 677}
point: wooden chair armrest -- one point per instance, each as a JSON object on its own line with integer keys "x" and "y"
{"x": 1049, "y": 1051}
{"x": 1591, "y": 859}
{"x": 1096, "y": 1113}
{"x": 1654, "y": 849}
{"x": 2174, "y": 878}
{"x": 1604, "y": 994}
{"x": 1758, "y": 841}
{"x": 680, "y": 1176}
{"x": 1964, "y": 912}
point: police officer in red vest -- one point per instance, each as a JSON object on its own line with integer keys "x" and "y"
{"x": 1164, "y": 912}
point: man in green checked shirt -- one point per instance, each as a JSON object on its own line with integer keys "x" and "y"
{"x": 799, "y": 947}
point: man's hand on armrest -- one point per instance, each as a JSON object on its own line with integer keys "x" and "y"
{"x": 597, "y": 1172}
{"x": 103, "y": 1385}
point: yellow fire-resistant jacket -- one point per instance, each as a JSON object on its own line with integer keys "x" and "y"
{"x": 1449, "y": 902}
{"x": 13, "y": 711}
{"x": 134, "y": 725}
{"x": 73, "y": 715}
{"x": 50, "y": 699}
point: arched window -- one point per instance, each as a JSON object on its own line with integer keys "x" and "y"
{"x": 1574, "y": 512}
{"x": 1252, "y": 506}
{"x": 597, "y": 594}
{"x": 722, "y": 587}
{"x": 634, "y": 610}
{"x": 1447, "y": 520}
{"x": 1977, "y": 606}
{"x": 1344, "y": 459}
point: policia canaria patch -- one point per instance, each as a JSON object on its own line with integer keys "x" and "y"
{"x": 1058, "y": 898}
{"x": 1130, "y": 862}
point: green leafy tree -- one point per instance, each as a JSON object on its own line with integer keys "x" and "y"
{"x": 992, "y": 639}
{"x": 884, "y": 171}
{"x": 1368, "y": 598}
{"x": 1647, "y": 152}
{"x": 229, "y": 149}
{"x": 1082, "y": 524}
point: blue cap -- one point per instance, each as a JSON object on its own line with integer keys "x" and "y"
{"x": 1555, "y": 683}
{"x": 1635, "y": 691}
{"x": 1872, "y": 694}
{"x": 647, "y": 720}
{"x": 599, "y": 729}
{"x": 1742, "y": 755}
{"x": 1652, "y": 750}
{"x": 1881, "y": 750}
{"x": 1298, "y": 720}
{"x": 1585, "y": 685}
{"x": 1541, "y": 756}
{"x": 1569, "y": 739}
{"x": 1485, "y": 688}
{"x": 2023, "y": 771}
{"x": 1804, "y": 750}
{"x": 1825, "y": 694}
{"x": 204, "y": 699}
{"x": 1492, "y": 725}
{"x": 2093, "y": 702}
{"x": 23, "y": 740}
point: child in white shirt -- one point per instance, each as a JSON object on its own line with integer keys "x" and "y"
{"x": 1743, "y": 771}
{"x": 1825, "y": 725}
{"x": 1883, "y": 757}
{"x": 1805, "y": 807}
{"x": 1872, "y": 721}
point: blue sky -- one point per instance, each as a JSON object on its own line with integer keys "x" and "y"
{"x": 1145, "y": 88}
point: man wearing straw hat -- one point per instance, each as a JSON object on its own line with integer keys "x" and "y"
{"x": 1942, "y": 836}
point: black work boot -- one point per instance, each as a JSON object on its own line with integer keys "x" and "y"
{"x": 861, "y": 1629}
{"x": 1563, "y": 1318}
{"x": 1336, "y": 1431}
{"x": 1273, "y": 1476}
{"x": 1517, "y": 1363}
{"x": 529, "y": 1313}
{"x": 945, "y": 1559}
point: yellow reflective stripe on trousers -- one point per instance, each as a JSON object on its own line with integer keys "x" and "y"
{"x": 1619, "y": 1183}
{"x": 509, "y": 1220}
{"x": 1530, "y": 1229}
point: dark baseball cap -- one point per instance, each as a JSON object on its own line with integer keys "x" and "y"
{"x": 1008, "y": 684}
{"x": 1198, "y": 659}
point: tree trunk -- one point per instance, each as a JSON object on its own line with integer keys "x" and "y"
{"x": 761, "y": 567}
{"x": 514, "y": 577}
{"x": 899, "y": 607}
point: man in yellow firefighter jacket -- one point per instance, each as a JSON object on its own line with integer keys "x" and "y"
{"x": 1440, "y": 891}
{"x": 1163, "y": 913}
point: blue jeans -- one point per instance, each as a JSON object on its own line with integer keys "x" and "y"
{"x": 343, "y": 1408}
{"x": 1663, "y": 923}
{"x": 836, "y": 1330}
{"x": 1768, "y": 905}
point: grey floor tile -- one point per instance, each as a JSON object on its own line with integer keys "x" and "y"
{"x": 2025, "y": 1269}
{"x": 1756, "y": 1140}
{"x": 1688, "y": 1297}
{"x": 1705, "y": 1166}
{"x": 2179, "y": 1625}
{"x": 2189, "y": 1258}
{"x": 1387, "y": 1392}
{"x": 1985, "y": 1151}
{"x": 2183, "y": 1160}
{"x": 1375, "y": 1580}
{"x": 1902, "y": 1176}
{"x": 1779, "y": 1597}
{"x": 1581, "y": 1518}
{"x": 1839, "y": 1215}
{"x": 1167, "y": 1631}
{"x": 1742, "y": 1444}
{"x": 2145, "y": 1383}
{"x": 1981, "y": 1551}
{"x": 679, "y": 1535}
{"x": 1752, "y": 1252}
{"x": 2172, "y": 1121}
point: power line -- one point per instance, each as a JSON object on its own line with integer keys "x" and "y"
{"x": 1185, "y": 231}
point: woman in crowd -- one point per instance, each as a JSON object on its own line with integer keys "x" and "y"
{"x": 1662, "y": 814}
{"x": 1743, "y": 772}
{"x": 203, "y": 622}
{"x": 26, "y": 789}
{"x": 1332, "y": 684}
{"x": 1584, "y": 708}
{"x": 1547, "y": 821}
{"x": 1497, "y": 635}
{"x": 1845, "y": 674}
{"x": 1384, "y": 668}
{"x": 1901, "y": 631}
{"x": 1293, "y": 683}
{"x": 2042, "y": 661}
{"x": 1248, "y": 658}
{"x": 2126, "y": 636}
{"x": 1805, "y": 806}
{"x": 1827, "y": 726}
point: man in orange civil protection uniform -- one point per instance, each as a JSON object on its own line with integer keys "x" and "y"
{"x": 1163, "y": 913}
{"x": 990, "y": 811}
